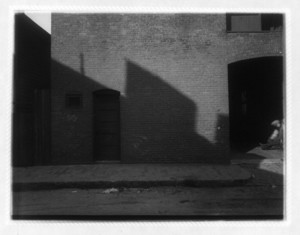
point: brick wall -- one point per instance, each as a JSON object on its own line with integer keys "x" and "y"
{"x": 242, "y": 46}
{"x": 171, "y": 71}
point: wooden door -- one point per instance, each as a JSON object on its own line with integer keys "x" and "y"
{"x": 106, "y": 125}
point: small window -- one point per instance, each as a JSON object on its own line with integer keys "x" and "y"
{"x": 73, "y": 101}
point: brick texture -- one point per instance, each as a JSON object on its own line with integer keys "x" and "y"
{"x": 171, "y": 70}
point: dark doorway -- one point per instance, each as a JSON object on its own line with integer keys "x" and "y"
{"x": 107, "y": 125}
{"x": 255, "y": 100}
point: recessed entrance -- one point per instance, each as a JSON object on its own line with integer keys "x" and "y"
{"x": 106, "y": 125}
{"x": 255, "y": 100}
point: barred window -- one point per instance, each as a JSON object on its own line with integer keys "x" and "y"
{"x": 73, "y": 101}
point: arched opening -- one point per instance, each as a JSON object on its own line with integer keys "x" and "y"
{"x": 255, "y": 100}
{"x": 106, "y": 125}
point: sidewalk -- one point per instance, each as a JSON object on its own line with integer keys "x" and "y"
{"x": 127, "y": 175}
{"x": 143, "y": 175}
{"x": 258, "y": 156}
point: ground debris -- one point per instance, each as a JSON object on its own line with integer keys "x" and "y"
{"x": 111, "y": 190}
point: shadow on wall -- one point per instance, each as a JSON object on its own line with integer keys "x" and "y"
{"x": 71, "y": 131}
{"x": 157, "y": 121}
{"x": 164, "y": 122}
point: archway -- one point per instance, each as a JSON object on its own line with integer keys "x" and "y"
{"x": 255, "y": 100}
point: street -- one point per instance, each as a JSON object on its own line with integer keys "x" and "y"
{"x": 262, "y": 196}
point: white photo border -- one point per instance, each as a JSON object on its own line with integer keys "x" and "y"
{"x": 291, "y": 12}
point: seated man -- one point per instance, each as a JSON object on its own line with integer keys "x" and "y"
{"x": 275, "y": 141}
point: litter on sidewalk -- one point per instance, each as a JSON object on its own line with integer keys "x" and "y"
{"x": 111, "y": 190}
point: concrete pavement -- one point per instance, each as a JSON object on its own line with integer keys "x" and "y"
{"x": 258, "y": 156}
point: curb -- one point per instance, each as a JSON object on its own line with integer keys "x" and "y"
{"x": 17, "y": 187}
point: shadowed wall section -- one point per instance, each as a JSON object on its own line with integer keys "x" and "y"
{"x": 72, "y": 128}
{"x": 159, "y": 122}
{"x": 31, "y": 99}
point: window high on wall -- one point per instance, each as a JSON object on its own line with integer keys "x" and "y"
{"x": 254, "y": 22}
